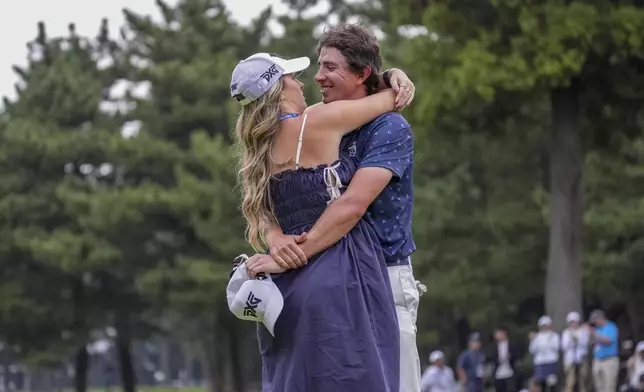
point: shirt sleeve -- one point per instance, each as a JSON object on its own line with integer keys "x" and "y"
{"x": 613, "y": 334}
{"x": 555, "y": 342}
{"x": 534, "y": 345}
{"x": 609, "y": 332}
{"x": 566, "y": 340}
{"x": 427, "y": 380}
{"x": 462, "y": 362}
{"x": 390, "y": 145}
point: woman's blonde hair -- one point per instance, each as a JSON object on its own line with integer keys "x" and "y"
{"x": 256, "y": 127}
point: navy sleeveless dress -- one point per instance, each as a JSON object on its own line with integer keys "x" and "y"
{"x": 338, "y": 331}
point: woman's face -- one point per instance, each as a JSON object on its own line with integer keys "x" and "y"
{"x": 292, "y": 93}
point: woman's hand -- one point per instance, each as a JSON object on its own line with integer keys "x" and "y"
{"x": 285, "y": 250}
{"x": 262, "y": 263}
{"x": 403, "y": 87}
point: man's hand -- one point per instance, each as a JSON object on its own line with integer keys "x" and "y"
{"x": 286, "y": 252}
{"x": 403, "y": 87}
{"x": 262, "y": 263}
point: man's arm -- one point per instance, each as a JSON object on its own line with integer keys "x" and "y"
{"x": 341, "y": 215}
{"x": 460, "y": 369}
{"x": 283, "y": 248}
{"x": 608, "y": 336}
{"x": 388, "y": 153}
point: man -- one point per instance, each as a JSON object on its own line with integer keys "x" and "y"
{"x": 381, "y": 190}
{"x": 437, "y": 377}
{"x": 470, "y": 366}
{"x": 606, "y": 358}
{"x": 544, "y": 346}
{"x": 504, "y": 359}
{"x": 574, "y": 345}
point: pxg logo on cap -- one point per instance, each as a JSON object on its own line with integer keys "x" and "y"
{"x": 254, "y": 76}
{"x": 256, "y": 299}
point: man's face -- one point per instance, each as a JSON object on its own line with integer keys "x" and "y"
{"x": 335, "y": 78}
{"x": 475, "y": 345}
{"x": 500, "y": 335}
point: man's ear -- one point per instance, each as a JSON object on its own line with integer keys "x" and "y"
{"x": 363, "y": 75}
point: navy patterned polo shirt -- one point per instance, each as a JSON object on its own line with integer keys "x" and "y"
{"x": 387, "y": 142}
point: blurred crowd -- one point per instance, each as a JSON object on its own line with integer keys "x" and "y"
{"x": 584, "y": 357}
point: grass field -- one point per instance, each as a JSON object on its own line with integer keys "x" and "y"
{"x": 143, "y": 388}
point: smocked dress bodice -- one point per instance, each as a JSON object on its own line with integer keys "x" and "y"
{"x": 300, "y": 196}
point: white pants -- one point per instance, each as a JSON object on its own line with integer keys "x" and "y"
{"x": 605, "y": 374}
{"x": 406, "y": 297}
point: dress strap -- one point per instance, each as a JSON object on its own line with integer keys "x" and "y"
{"x": 299, "y": 143}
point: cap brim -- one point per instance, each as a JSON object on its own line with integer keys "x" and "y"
{"x": 273, "y": 310}
{"x": 296, "y": 65}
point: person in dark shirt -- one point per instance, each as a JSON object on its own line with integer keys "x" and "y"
{"x": 470, "y": 366}
{"x": 505, "y": 357}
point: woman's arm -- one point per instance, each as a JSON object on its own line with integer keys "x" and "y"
{"x": 345, "y": 116}
{"x": 566, "y": 340}
{"x": 396, "y": 80}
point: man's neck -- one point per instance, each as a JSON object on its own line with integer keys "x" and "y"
{"x": 357, "y": 94}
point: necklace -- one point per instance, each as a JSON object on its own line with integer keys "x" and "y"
{"x": 288, "y": 115}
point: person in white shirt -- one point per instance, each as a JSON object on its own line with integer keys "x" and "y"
{"x": 636, "y": 369}
{"x": 544, "y": 347}
{"x": 575, "y": 341}
{"x": 437, "y": 377}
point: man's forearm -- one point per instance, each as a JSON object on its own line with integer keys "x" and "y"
{"x": 338, "y": 219}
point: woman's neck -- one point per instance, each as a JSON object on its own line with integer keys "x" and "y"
{"x": 287, "y": 107}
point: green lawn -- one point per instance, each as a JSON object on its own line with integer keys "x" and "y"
{"x": 145, "y": 389}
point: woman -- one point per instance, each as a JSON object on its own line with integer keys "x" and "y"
{"x": 338, "y": 329}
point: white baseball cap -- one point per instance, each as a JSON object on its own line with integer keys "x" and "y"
{"x": 256, "y": 299}
{"x": 254, "y": 76}
{"x": 544, "y": 321}
{"x": 435, "y": 356}
{"x": 640, "y": 347}
{"x": 573, "y": 316}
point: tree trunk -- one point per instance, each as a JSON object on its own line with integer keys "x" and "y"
{"x": 123, "y": 340}
{"x": 564, "y": 275}
{"x": 236, "y": 354}
{"x": 213, "y": 371}
{"x": 81, "y": 368}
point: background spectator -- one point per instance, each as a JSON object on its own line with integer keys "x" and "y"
{"x": 574, "y": 344}
{"x": 636, "y": 369}
{"x": 544, "y": 346}
{"x": 504, "y": 359}
{"x": 437, "y": 377}
{"x": 470, "y": 367}
{"x": 605, "y": 337}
